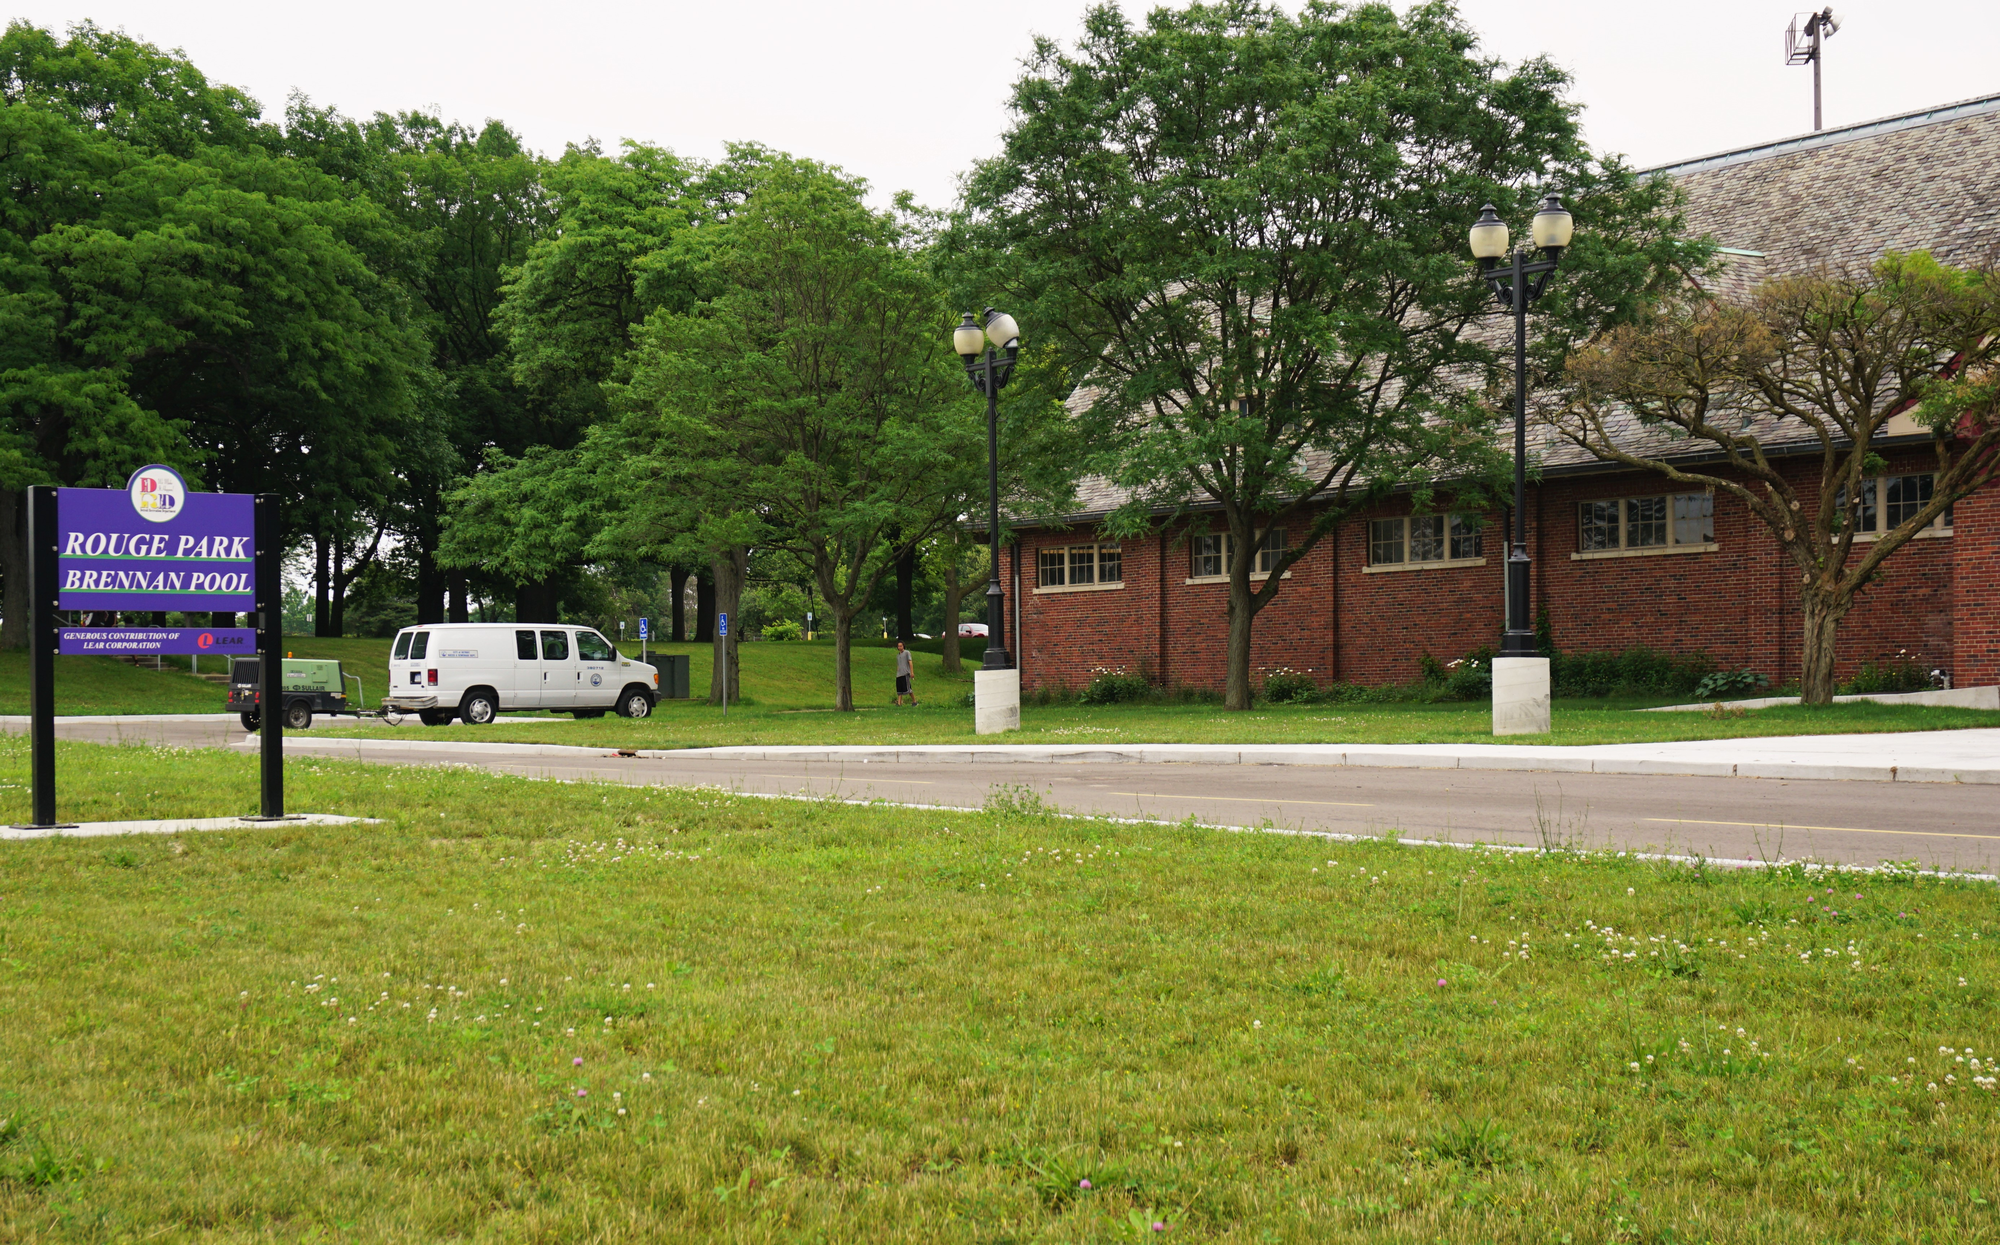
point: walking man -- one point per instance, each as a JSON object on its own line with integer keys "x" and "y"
{"x": 905, "y": 675}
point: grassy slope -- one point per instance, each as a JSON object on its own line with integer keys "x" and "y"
{"x": 791, "y": 690}
{"x": 888, "y": 1025}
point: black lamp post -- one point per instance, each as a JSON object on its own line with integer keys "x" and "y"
{"x": 1517, "y": 284}
{"x": 989, "y": 351}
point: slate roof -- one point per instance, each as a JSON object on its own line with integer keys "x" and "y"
{"x": 1836, "y": 199}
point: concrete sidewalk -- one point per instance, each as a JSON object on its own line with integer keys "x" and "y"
{"x": 1968, "y": 756}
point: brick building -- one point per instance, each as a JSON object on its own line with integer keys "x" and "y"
{"x": 1680, "y": 572}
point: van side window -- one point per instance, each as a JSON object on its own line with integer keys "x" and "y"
{"x": 402, "y": 646}
{"x": 592, "y": 647}
{"x": 420, "y": 643}
{"x": 524, "y": 645}
{"x": 555, "y": 646}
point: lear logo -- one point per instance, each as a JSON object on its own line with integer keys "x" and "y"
{"x": 158, "y": 493}
{"x": 205, "y": 640}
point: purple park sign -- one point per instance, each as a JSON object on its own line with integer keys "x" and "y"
{"x": 153, "y": 545}
{"x": 180, "y": 641}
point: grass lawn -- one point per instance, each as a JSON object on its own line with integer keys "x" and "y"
{"x": 790, "y": 690}
{"x": 522, "y": 1011}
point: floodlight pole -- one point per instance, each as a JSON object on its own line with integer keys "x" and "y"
{"x": 1515, "y": 286}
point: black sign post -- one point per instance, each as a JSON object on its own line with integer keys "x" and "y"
{"x": 157, "y": 495}
{"x": 269, "y": 570}
{"x": 42, "y": 639}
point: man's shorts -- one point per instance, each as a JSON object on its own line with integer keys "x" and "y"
{"x": 902, "y": 685}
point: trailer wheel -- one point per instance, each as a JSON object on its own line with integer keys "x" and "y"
{"x": 299, "y": 715}
{"x": 250, "y": 721}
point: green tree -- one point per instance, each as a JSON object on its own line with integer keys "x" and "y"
{"x": 1824, "y": 362}
{"x": 173, "y": 290}
{"x": 1244, "y": 233}
{"x": 806, "y": 402}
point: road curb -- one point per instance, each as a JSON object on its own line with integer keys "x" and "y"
{"x": 1531, "y": 758}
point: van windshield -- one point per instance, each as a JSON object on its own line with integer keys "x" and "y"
{"x": 402, "y": 646}
{"x": 420, "y": 643}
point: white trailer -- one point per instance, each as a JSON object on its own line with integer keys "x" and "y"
{"x": 475, "y": 671}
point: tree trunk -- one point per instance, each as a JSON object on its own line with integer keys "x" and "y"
{"x": 727, "y": 574}
{"x": 906, "y": 581}
{"x": 677, "y": 578}
{"x": 455, "y": 609}
{"x": 13, "y": 568}
{"x": 954, "y": 593}
{"x": 430, "y": 587}
{"x": 1236, "y": 687}
{"x": 704, "y": 608}
{"x": 1820, "y": 613}
{"x": 843, "y": 659}
{"x": 322, "y": 585}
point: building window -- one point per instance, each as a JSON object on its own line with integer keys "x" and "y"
{"x": 1270, "y": 550}
{"x": 1905, "y": 497}
{"x": 1646, "y": 522}
{"x": 1423, "y": 538}
{"x": 1208, "y": 556}
{"x": 1074, "y": 566}
{"x": 1206, "y": 561}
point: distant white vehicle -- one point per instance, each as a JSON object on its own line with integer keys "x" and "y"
{"x": 474, "y": 671}
{"x": 971, "y": 631}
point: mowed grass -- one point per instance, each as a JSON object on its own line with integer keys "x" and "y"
{"x": 520, "y": 1011}
{"x": 790, "y": 690}
{"x": 105, "y": 685}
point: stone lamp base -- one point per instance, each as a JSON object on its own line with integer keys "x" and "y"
{"x": 1520, "y": 695}
{"x": 996, "y": 700}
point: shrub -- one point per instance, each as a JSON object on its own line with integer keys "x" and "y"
{"x": 1727, "y": 683}
{"x": 783, "y": 629}
{"x": 1891, "y": 672}
{"x": 1113, "y": 686}
{"x": 1471, "y": 676}
{"x": 1638, "y": 671}
{"x": 1286, "y": 686}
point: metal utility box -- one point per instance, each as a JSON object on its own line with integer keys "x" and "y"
{"x": 673, "y": 669}
{"x": 309, "y": 685}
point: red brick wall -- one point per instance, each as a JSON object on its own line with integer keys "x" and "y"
{"x": 1938, "y": 600}
{"x": 1975, "y": 586}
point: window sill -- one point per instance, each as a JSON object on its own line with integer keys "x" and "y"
{"x": 1651, "y": 551}
{"x": 1437, "y": 564}
{"x": 1256, "y": 577}
{"x": 1039, "y": 590}
{"x": 1929, "y": 533}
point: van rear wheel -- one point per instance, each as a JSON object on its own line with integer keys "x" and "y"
{"x": 479, "y": 707}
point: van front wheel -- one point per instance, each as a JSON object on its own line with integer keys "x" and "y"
{"x": 635, "y": 703}
{"x": 479, "y": 707}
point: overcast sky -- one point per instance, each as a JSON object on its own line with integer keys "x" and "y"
{"x": 906, "y": 94}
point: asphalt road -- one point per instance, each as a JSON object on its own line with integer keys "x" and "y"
{"x": 1940, "y": 825}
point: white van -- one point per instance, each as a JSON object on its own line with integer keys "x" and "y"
{"x": 474, "y": 671}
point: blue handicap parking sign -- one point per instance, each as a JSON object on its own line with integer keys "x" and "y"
{"x": 642, "y": 628}
{"x": 722, "y": 623}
